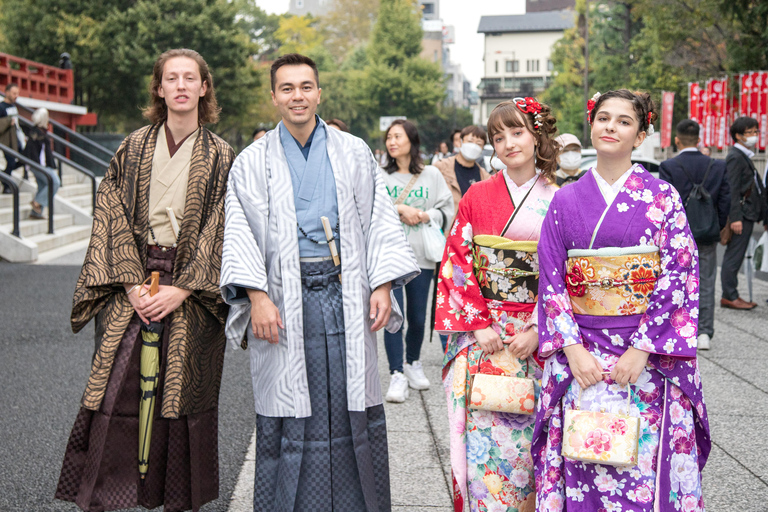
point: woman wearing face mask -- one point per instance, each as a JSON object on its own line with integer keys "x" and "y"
{"x": 569, "y": 159}
{"x": 486, "y": 301}
{"x": 420, "y": 196}
{"x": 748, "y": 205}
{"x": 618, "y": 306}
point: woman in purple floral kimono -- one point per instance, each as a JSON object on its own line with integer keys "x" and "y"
{"x": 618, "y": 305}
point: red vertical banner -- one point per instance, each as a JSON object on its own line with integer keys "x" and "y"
{"x": 694, "y": 92}
{"x": 722, "y": 114}
{"x": 763, "y": 107}
{"x": 708, "y": 116}
{"x": 667, "y": 108}
{"x": 754, "y": 95}
{"x": 745, "y": 79}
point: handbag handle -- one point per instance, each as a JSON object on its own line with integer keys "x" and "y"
{"x": 629, "y": 395}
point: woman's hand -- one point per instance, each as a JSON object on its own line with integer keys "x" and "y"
{"x": 630, "y": 366}
{"x": 585, "y": 367}
{"x": 133, "y": 297}
{"x": 523, "y": 344}
{"x": 164, "y": 302}
{"x": 409, "y": 215}
{"x": 488, "y": 340}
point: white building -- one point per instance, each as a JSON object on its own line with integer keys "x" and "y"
{"x": 517, "y": 54}
{"x": 313, "y": 7}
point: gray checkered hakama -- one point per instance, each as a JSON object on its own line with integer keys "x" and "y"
{"x": 336, "y": 460}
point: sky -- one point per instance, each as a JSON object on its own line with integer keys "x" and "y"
{"x": 464, "y": 16}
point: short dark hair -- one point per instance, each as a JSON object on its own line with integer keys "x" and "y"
{"x": 687, "y": 132}
{"x": 741, "y": 125}
{"x": 475, "y": 130}
{"x": 259, "y": 129}
{"x": 293, "y": 59}
{"x": 338, "y": 123}
{"x": 11, "y": 86}
{"x": 412, "y": 133}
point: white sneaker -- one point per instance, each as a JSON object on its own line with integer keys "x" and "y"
{"x": 398, "y": 388}
{"x": 703, "y": 341}
{"x": 415, "y": 375}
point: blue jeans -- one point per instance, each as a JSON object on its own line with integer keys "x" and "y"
{"x": 42, "y": 185}
{"x": 417, "y": 293}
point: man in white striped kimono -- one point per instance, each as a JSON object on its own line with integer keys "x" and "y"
{"x": 310, "y": 322}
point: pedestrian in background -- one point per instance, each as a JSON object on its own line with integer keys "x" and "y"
{"x": 423, "y": 201}
{"x": 455, "y": 141}
{"x": 487, "y": 293}
{"x": 259, "y": 132}
{"x": 569, "y": 159}
{"x": 174, "y": 164}
{"x": 441, "y": 152}
{"x": 748, "y": 205}
{"x": 10, "y": 129}
{"x": 688, "y": 169}
{"x": 38, "y": 149}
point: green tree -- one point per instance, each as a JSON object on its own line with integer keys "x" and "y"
{"x": 348, "y": 25}
{"x": 298, "y": 34}
{"x": 114, "y": 43}
{"x": 396, "y": 80}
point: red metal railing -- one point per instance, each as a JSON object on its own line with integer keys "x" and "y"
{"x": 35, "y": 80}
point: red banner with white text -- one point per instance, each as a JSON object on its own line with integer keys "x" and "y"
{"x": 667, "y": 108}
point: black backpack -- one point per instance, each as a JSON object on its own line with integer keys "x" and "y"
{"x": 701, "y": 210}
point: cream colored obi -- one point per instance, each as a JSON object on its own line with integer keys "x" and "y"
{"x": 612, "y": 281}
{"x": 507, "y": 270}
{"x": 168, "y": 187}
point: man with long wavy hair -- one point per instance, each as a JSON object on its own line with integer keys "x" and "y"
{"x": 159, "y": 208}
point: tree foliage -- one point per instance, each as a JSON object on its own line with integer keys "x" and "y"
{"x": 114, "y": 43}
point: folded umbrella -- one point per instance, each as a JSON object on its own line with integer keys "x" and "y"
{"x": 151, "y": 335}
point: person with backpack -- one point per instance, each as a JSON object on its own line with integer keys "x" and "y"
{"x": 704, "y": 190}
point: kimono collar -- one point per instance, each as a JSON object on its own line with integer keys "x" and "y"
{"x": 610, "y": 191}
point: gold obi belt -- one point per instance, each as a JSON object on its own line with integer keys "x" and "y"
{"x": 612, "y": 281}
{"x": 507, "y": 270}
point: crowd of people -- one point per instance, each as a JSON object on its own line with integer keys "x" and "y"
{"x": 570, "y": 302}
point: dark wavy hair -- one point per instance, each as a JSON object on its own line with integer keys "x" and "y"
{"x": 641, "y": 102}
{"x": 506, "y": 114}
{"x": 412, "y": 133}
{"x": 207, "y": 108}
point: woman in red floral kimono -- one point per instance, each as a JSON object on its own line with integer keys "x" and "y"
{"x": 487, "y": 291}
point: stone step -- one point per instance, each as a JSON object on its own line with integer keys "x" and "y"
{"x": 6, "y": 214}
{"x": 31, "y": 227}
{"x": 73, "y": 178}
{"x": 82, "y": 201}
{"x": 77, "y": 189}
{"x": 6, "y": 200}
{"x": 62, "y": 237}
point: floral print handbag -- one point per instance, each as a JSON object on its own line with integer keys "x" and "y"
{"x": 502, "y": 393}
{"x": 601, "y": 437}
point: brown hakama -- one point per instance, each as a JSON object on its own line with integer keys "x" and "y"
{"x": 100, "y": 469}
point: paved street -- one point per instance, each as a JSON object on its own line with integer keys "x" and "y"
{"x": 45, "y": 366}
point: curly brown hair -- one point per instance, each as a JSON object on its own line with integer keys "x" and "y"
{"x": 641, "y": 101}
{"x": 157, "y": 111}
{"x": 507, "y": 114}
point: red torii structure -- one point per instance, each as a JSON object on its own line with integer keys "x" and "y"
{"x": 41, "y": 85}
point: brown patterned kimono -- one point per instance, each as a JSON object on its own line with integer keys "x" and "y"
{"x": 100, "y": 469}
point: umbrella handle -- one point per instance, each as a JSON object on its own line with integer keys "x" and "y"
{"x": 154, "y": 285}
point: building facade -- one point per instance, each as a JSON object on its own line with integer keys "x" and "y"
{"x": 517, "y": 55}
{"x": 313, "y": 7}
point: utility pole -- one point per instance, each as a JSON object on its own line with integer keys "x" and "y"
{"x": 585, "y": 135}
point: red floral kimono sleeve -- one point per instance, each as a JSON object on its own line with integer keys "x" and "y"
{"x": 460, "y": 305}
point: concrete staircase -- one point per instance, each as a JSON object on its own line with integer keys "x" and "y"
{"x": 72, "y": 221}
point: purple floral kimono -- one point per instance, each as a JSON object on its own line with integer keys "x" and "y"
{"x": 674, "y": 432}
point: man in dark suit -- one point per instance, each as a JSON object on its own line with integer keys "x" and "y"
{"x": 689, "y": 167}
{"x": 748, "y": 205}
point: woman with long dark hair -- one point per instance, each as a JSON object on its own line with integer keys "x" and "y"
{"x": 424, "y": 202}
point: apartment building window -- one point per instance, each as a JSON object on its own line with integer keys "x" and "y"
{"x": 299, "y": 4}
{"x": 512, "y": 66}
{"x": 532, "y": 65}
{"x": 550, "y": 65}
{"x": 428, "y": 8}
{"x": 497, "y": 66}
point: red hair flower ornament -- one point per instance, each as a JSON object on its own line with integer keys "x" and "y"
{"x": 530, "y": 106}
{"x": 591, "y": 106}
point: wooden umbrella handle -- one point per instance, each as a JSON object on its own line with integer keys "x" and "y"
{"x": 154, "y": 284}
